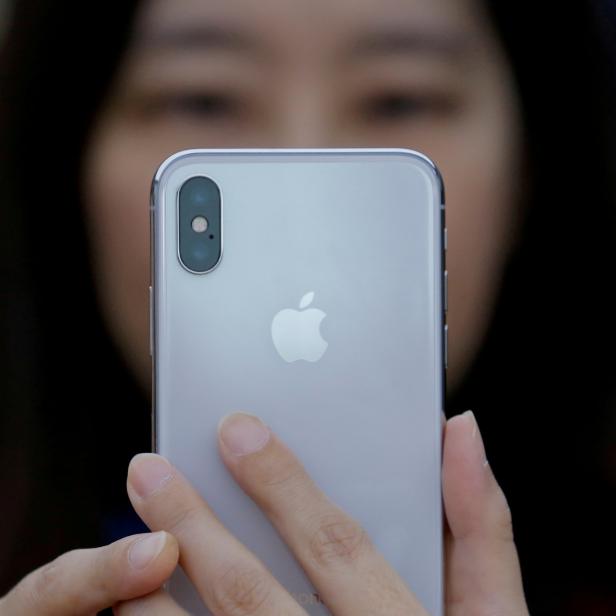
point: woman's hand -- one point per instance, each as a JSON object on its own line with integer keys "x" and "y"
{"x": 84, "y": 582}
{"x": 352, "y": 578}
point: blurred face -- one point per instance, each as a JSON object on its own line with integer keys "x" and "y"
{"x": 422, "y": 74}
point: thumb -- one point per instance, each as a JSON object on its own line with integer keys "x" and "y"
{"x": 84, "y": 582}
{"x": 482, "y": 566}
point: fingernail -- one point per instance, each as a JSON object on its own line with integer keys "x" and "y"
{"x": 242, "y": 433}
{"x": 148, "y": 473}
{"x": 145, "y": 550}
{"x": 476, "y": 437}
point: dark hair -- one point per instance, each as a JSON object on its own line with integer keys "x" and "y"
{"x": 541, "y": 384}
{"x": 61, "y": 377}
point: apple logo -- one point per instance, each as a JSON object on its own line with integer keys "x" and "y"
{"x": 296, "y": 333}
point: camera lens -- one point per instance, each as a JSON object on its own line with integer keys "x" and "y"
{"x": 199, "y": 210}
{"x": 200, "y": 253}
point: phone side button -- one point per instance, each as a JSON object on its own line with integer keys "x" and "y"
{"x": 446, "y": 346}
{"x": 151, "y": 319}
{"x": 445, "y": 290}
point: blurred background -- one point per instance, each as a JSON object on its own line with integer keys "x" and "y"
{"x": 514, "y": 101}
{"x": 4, "y": 15}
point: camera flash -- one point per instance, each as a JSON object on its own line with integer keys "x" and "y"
{"x": 199, "y": 224}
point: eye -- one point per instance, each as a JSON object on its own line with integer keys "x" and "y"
{"x": 401, "y": 106}
{"x": 198, "y": 105}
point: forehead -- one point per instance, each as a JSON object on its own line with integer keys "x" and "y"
{"x": 297, "y": 20}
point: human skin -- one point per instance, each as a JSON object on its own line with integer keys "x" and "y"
{"x": 424, "y": 74}
{"x": 482, "y": 574}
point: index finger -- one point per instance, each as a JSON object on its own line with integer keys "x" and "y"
{"x": 229, "y": 578}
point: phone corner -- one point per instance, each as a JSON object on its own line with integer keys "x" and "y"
{"x": 167, "y": 165}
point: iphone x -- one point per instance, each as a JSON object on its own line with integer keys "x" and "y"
{"x": 307, "y": 287}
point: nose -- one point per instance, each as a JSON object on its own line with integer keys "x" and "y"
{"x": 304, "y": 117}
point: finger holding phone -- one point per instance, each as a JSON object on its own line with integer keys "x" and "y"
{"x": 350, "y": 575}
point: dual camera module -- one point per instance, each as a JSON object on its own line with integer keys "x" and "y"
{"x": 199, "y": 220}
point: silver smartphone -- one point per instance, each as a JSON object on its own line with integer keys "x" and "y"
{"x": 307, "y": 287}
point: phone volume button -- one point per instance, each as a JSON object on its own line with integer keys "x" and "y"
{"x": 445, "y": 290}
{"x": 446, "y": 346}
{"x": 151, "y": 327}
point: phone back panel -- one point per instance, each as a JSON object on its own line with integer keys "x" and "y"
{"x": 362, "y": 230}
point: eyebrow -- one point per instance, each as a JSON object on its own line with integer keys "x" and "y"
{"x": 397, "y": 41}
{"x": 201, "y": 37}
